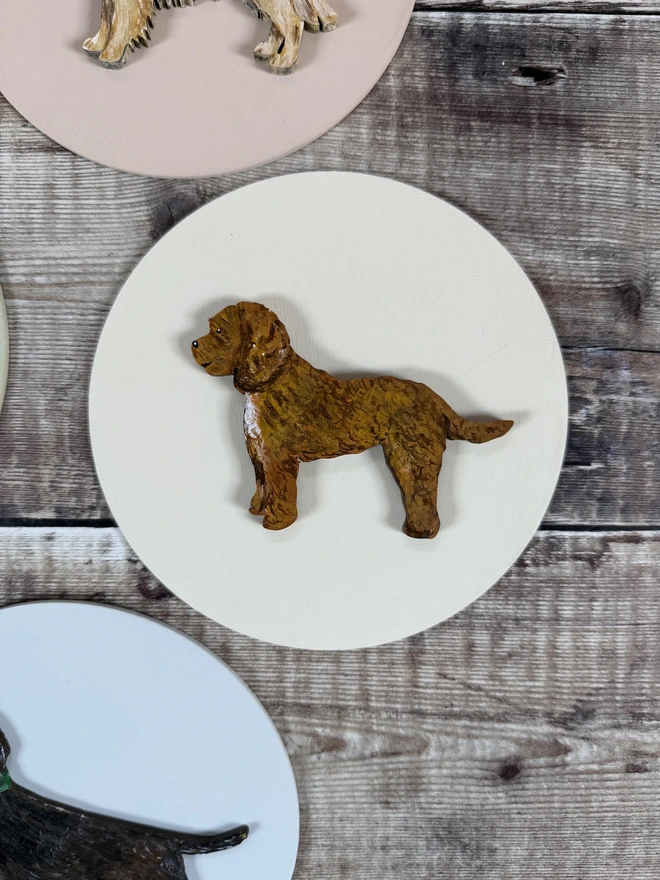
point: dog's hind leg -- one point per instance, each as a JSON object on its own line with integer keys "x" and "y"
{"x": 270, "y": 47}
{"x": 318, "y": 15}
{"x": 172, "y": 867}
{"x": 419, "y": 487}
{"x": 95, "y": 45}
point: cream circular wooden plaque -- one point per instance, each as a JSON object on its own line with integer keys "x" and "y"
{"x": 195, "y": 103}
{"x": 120, "y": 715}
{"x": 370, "y": 277}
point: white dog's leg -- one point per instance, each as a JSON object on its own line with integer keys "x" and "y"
{"x": 129, "y": 29}
{"x": 270, "y": 47}
{"x": 289, "y": 25}
{"x": 286, "y": 59}
{"x": 318, "y": 15}
{"x": 95, "y": 45}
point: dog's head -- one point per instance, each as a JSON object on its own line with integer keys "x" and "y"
{"x": 5, "y": 750}
{"x": 247, "y": 341}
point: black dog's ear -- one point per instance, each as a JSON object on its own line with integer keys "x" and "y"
{"x": 266, "y": 346}
{"x": 5, "y": 749}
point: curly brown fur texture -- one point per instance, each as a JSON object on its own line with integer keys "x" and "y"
{"x": 41, "y": 839}
{"x": 296, "y": 413}
{"x": 126, "y": 25}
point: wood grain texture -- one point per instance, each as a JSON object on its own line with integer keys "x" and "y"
{"x": 518, "y": 738}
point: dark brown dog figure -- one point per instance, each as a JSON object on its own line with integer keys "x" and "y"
{"x": 41, "y": 839}
{"x": 296, "y": 413}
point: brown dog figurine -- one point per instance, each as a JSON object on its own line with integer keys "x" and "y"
{"x": 295, "y": 413}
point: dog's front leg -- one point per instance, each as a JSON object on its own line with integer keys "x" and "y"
{"x": 281, "y": 490}
{"x": 270, "y": 47}
{"x": 129, "y": 28}
{"x": 286, "y": 33}
{"x": 258, "y": 503}
{"x": 95, "y": 45}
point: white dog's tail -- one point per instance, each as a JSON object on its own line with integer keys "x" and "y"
{"x": 317, "y": 14}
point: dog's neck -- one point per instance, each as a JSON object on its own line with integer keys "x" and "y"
{"x": 5, "y": 780}
{"x": 292, "y": 361}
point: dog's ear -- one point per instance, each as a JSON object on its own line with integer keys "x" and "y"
{"x": 266, "y": 347}
{"x": 5, "y": 750}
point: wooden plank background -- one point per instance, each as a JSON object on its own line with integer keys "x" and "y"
{"x": 522, "y": 738}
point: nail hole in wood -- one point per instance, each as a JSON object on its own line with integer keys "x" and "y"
{"x": 508, "y": 771}
{"x": 538, "y": 74}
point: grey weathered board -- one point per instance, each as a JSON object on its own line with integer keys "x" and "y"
{"x": 522, "y": 738}
{"x": 609, "y": 7}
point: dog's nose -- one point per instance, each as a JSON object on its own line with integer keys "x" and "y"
{"x": 195, "y": 344}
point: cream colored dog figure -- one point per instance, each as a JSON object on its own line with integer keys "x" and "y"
{"x": 126, "y": 25}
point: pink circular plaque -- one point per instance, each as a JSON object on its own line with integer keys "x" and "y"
{"x": 195, "y": 103}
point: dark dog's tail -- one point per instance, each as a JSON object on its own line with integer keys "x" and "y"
{"x": 192, "y": 844}
{"x": 475, "y": 432}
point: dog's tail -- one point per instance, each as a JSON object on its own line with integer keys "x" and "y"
{"x": 192, "y": 844}
{"x": 475, "y": 432}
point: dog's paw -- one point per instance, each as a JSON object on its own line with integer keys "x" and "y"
{"x": 324, "y": 24}
{"x": 94, "y": 46}
{"x": 114, "y": 60}
{"x": 266, "y": 50}
{"x": 280, "y": 67}
{"x": 422, "y": 530}
{"x": 284, "y": 61}
{"x": 276, "y": 524}
{"x": 257, "y": 505}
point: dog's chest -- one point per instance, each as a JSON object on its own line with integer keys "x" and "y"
{"x": 251, "y": 418}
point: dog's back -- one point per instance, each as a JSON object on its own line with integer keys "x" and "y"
{"x": 41, "y": 840}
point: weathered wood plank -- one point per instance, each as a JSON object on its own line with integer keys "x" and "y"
{"x": 610, "y": 477}
{"x": 518, "y": 739}
{"x": 603, "y": 7}
{"x": 543, "y": 127}
{"x": 610, "y": 472}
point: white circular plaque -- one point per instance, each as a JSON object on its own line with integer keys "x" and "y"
{"x": 115, "y": 713}
{"x": 370, "y": 277}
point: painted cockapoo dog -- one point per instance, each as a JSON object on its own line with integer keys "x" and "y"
{"x": 126, "y": 25}
{"x": 296, "y": 413}
{"x": 41, "y": 839}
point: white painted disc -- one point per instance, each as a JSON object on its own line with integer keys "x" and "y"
{"x": 113, "y": 712}
{"x": 370, "y": 277}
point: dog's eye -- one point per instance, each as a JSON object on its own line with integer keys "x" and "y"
{"x": 218, "y": 330}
